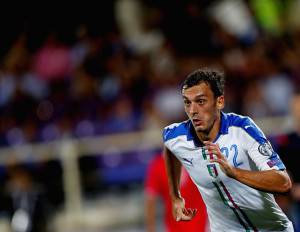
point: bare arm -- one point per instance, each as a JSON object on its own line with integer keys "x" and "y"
{"x": 269, "y": 181}
{"x": 173, "y": 167}
{"x": 150, "y": 213}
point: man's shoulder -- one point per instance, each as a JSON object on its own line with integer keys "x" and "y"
{"x": 238, "y": 120}
{"x": 246, "y": 124}
{"x": 175, "y": 129}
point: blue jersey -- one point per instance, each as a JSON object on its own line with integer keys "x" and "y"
{"x": 231, "y": 205}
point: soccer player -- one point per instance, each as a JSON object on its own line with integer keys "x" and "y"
{"x": 229, "y": 159}
{"x": 156, "y": 187}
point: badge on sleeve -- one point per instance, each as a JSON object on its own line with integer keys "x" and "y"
{"x": 266, "y": 149}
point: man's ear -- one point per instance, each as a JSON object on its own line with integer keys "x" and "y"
{"x": 220, "y": 102}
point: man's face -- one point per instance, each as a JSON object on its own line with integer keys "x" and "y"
{"x": 201, "y": 106}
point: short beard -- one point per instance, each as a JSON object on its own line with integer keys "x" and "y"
{"x": 206, "y": 132}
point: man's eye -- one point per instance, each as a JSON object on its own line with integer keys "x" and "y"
{"x": 201, "y": 101}
{"x": 187, "y": 102}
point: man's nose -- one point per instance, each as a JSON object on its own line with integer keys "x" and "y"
{"x": 193, "y": 108}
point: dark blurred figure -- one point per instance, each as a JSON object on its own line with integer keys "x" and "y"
{"x": 24, "y": 202}
{"x": 289, "y": 149}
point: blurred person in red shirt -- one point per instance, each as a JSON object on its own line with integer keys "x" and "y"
{"x": 156, "y": 187}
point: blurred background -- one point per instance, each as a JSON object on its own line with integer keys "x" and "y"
{"x": 86, "y": 91}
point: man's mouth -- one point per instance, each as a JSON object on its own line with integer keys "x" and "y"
{"x": 197, "y": 122}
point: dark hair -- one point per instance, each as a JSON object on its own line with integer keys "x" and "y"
{"x": 215, "y": 79}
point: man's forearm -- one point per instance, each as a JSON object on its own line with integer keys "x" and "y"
{"x": 150, "y": 213}
{"x": 268, "y": 181}
{"x": 173, "y": 167}
{"x": 274, "y": 181}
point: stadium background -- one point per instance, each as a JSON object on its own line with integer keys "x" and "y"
{"x": 84, "y": 94}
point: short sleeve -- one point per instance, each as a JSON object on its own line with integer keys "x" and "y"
{"x": 260, "y": 149}
{"x": 166, "y": 135}
{"x": 264, "y": 156}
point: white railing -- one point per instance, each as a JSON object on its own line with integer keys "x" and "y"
{"x": 68, "y": 151}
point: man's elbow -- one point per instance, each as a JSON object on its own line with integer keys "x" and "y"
{"x": 287, "y": 184}
{"x": 286, "y": 187}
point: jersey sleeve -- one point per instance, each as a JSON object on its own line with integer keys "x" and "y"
{"x": 260, "y": 149}
{"x": 166, "y": 135}
{"x": 265, "y": 157}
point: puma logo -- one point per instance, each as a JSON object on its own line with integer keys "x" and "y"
{"x": 189, "y": 161}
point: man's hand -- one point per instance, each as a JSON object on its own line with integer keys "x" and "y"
{"x": 180, "y": 213}
{"x": 220, "y": 158}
